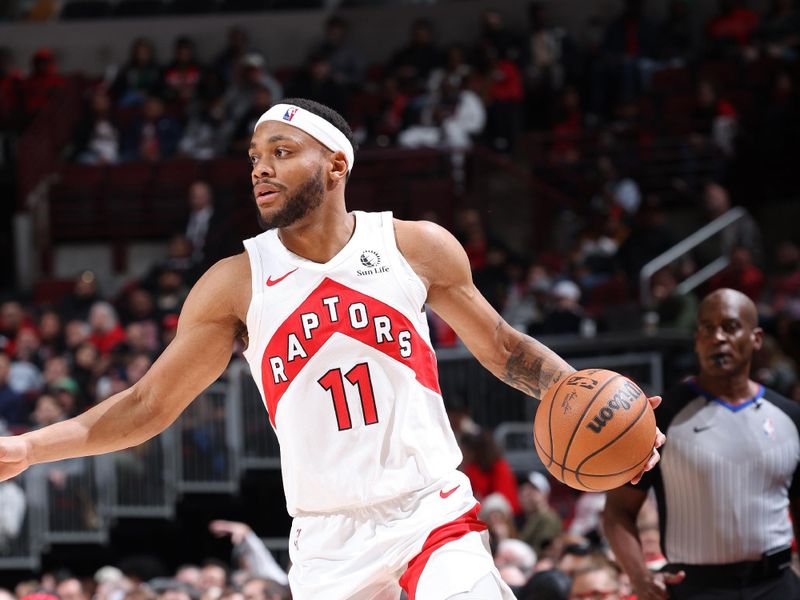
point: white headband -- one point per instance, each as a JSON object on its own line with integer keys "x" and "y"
{"x": 315, "y": 126}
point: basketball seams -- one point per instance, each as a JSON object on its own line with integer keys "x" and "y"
{"x": 536, "y": 442}
{"x": 634, "y": 469}
{"x": 599, "y": 475}
{"x": 617, "y": 438}
{"x": 579, "y": 421}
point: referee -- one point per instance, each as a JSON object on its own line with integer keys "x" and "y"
{"x": 728, "y": 475}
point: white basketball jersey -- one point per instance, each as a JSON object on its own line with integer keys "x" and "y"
{"x": 342, "y": 357}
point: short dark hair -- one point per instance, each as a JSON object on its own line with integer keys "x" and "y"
{"x": 326, "y": 112}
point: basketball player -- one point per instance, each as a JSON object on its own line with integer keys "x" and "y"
{"x": 331, "y": 305}
{"x": 729, "y": 475}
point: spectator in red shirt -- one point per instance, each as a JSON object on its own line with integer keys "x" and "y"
{"x": 182, "y": 75}
{"x": 106, "y": 330}
{"x": 487, "y": 470}
{"x": 42, "y": 84}
{"x": 504, "y": 95}
{"x": 567, "y": 129}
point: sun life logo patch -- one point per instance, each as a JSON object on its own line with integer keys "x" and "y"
{"x": 370, "y": 258}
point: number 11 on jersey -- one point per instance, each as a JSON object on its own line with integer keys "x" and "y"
{"x": 359, "y": 376}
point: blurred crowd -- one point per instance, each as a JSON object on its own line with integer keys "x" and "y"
{"x": 490, "y": 89}
{"x": 252, "y": 573}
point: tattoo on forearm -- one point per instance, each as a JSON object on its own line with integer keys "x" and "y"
{"x": 532, "y": 367}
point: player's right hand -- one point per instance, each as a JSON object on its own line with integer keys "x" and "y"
{"x": 14, "y": 456}
{"x": 654, "y": 586}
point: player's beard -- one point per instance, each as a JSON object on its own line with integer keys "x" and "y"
{"x": 305, "y": 199}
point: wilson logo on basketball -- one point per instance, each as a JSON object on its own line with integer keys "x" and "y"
{"x": 627, "y": 393}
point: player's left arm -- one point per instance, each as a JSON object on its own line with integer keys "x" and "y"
{"x": 515, "y": 358}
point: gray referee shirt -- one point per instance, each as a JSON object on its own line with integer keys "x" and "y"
{"x": 726, "y": 475}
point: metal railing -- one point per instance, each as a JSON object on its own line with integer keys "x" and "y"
{"x": 22, "y": 551}
{"x": 206, "y": 459}
{"x": 140, "y": 481}
{"x": 258, "y": 444}
{"x": 684, "y": 247}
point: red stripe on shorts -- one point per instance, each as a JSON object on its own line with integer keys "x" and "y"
{"x": 449, "y": 532}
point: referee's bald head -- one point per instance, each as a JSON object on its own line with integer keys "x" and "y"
{"x": 726, "y": 299}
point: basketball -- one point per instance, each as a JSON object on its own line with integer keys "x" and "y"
{"x": 594, "y": 430}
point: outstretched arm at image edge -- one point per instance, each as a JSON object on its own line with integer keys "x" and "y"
{"x": 199, "y": 353}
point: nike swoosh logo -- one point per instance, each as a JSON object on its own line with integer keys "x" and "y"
{"x": 443, "y": 494}
{"x": 699, "y": 429}
{"x": 271, "y": 281}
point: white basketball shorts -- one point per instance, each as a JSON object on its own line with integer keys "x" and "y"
{"x": 430, "y": 544}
